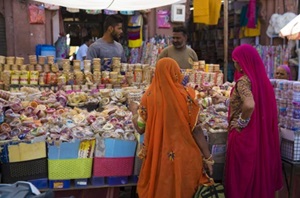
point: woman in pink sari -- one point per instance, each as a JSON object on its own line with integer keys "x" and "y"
{"x": 253, "y": 162}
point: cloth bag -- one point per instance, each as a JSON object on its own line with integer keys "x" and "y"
{"x": 213, "y": 191}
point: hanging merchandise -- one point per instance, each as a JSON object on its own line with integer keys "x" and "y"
{"x": 250, "y": 32}
{"x": 163, "y": 19}
{"x": 73, "y": 10}
{"x": 61, "y": 47}
{"x": 51, "y": 6}
{"x": 207, "y": 12}
{"x": 127, "y": 12}
{"x": 278, "y": 21}
{"x": 93, "y": 11}
{"x": 251, "y": 14}
{"x": 152, "y": 49}
{"x": 135, "y": 55}
{"x": 110, "y": 12}
{"x": 36, "y": 14}
{"x": 135, "y": 31}
{"x": 273, "y": 56}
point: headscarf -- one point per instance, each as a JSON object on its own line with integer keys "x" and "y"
{"x": 288, "y": 71}
{"x": 173, "y": 164}
{"x": 259, "y": 141}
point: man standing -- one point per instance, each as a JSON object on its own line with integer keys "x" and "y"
{"x": 182, "y": 54}
{"x": 107, "y": 46}
{"x": 82, "y": 51}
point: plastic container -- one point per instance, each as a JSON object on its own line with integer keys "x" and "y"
{"x": 40, "y": 183}
{"x": 45, "y": 50}
{"x": 66, "y": 150}
{"x": 70, "y": 169}
{"x": 60, "y": 184}
{"x": 119, "y": 148}
{"x": 98, "y": 181}
{"x": 23, "y": 171}
{"x": 104, "y": 167}
{"x": 117, "y": 180}
{"x": 81, "y": 182}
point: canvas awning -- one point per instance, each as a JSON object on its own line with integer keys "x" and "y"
{"x": 117, "y": 5}
{"x": 292, "y": 29}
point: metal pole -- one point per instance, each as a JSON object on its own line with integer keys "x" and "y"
{"x": 225, "y": 10}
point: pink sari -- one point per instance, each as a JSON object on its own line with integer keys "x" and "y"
{"x": 253, "y": 162}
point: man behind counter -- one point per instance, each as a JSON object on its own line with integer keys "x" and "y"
{"x": 107, "y": 46}
{"x": 182, "y": 54}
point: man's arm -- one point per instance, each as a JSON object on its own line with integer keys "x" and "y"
{"x": 194, "y": 55}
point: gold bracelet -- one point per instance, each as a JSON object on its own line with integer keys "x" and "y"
{"x": 209, "y": 160}
{"x": 208, "y": 157}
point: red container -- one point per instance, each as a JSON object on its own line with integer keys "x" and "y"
{"x": 105, "y": 167}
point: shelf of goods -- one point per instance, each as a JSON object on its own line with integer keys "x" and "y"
{"x": 288, "y": 104}
{"x": 44, "y": 73}
{"x": 53, "y": 139}
{"x": 83, "y": 133}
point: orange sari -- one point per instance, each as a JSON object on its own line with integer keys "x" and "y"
{"x": 172, "y": 166}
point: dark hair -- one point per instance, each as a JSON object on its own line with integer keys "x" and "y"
{"x": 112, "y": 20}
{"x": 86, "y": 39}
{"x": 180, "y": 29}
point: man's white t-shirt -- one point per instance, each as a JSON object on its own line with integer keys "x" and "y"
{"x": 81, "y": 52}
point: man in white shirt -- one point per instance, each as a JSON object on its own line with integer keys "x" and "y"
{"x": 82, "y": 51}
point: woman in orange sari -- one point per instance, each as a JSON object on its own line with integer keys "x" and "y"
{"x": 174, "y": 147}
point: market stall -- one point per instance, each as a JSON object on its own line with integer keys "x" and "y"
{"x": 54, "y": 119}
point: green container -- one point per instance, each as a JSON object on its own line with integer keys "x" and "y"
{"x": 70, "y": 168}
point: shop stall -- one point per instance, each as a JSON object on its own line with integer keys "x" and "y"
{"x": 68, "y": 129}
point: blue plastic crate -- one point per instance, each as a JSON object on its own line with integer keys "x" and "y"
{"x": 40, "y": 183}
{"x": 81, "y": 182}
{"x": 119, "y": 148}
{"x": 45, "y": 50}
{"x": 60, "y": 184}
{"x": 134, "y": 178}
{"x": 117, "y": 180}
{"x": 98, "y": 181}
{"x": 65, "y": 150}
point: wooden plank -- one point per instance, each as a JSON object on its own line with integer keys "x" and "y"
{"x": 225, "y": 10}
{"x": 90, "y": 187}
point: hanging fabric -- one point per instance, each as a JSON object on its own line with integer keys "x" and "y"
{"x": 251, "y": 14}
{"x": 207, "y": 12}
{"x": 135, "y": 31}
{"x": 36, "y": 14}
{"x": 110, "y": 12}
{"x": 127, "y": 12}
{"x": 93, "y": 11}
{"x": 73, "y": 10}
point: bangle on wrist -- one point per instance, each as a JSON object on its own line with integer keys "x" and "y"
{"x": 209, "y": 160}
{"x": 242, "y": 123}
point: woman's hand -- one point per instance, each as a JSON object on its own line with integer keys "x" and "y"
{"x": 133, "y": 107}
{"x": 210, "y": 169}
{"x": 234, "y": 125}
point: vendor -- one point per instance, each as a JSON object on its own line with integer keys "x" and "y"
{"x": 182, "y": 54}
{"x": 107, "y": 46}
{"x": 283, "y": 72}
